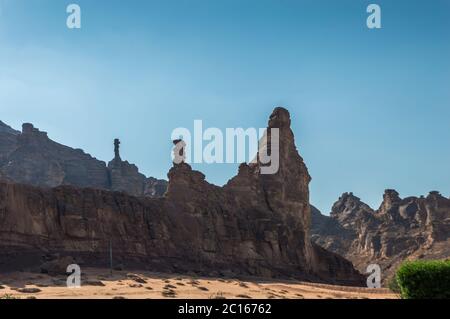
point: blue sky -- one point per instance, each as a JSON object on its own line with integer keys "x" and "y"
{"x": 370, "y": 108}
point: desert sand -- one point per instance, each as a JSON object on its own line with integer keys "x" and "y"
{"x": 100, "y": 284}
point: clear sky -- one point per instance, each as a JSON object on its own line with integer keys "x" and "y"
{"x": 370, "y": 108}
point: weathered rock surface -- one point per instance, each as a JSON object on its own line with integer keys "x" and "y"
{"x": 125, "y": 177}
{"x": 400, "y": 229}
{"x": 37, "y": 160}
{"x": 4, "y": 128}
{"x": 154, "y": 187}
{"x": 30, "y": 157}
{"x": 8, "y": 141}
{"x": 56, "y": 266}
{"x": 255, "y": 225}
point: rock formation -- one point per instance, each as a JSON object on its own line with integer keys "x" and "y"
{"x": 125, "y": 177}
{"x": 409, "y": 228}
{"x": 8, "y": 141}
{"x": 4, "y": 128}
{"x": 30, "y": 157}
{"x": 37, "y": 160}
{"x": 255, "y": 225}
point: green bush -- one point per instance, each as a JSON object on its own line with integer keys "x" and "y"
{"x": 393, "y": 285}
{"x": 424, "y": 279}
{"x": 8, "y": 296}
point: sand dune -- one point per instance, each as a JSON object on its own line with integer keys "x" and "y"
{"x": 100, "y": 284}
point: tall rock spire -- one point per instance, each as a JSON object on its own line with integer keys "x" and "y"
{"x": 116, "y": 148}
{"x": 260, "y": 219}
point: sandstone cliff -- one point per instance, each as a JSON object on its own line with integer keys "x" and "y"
{"x": 255, "y": 225}
{"x": 400, "y": 229}
{"x": 4, "y": 128}
{"x": 8, "y": 141}
{"x": 125, "y": 177}
{"x": 30, "y": 157}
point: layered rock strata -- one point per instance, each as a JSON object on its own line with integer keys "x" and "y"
{"x": 255, "y": 225}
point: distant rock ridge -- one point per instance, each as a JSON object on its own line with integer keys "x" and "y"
{"x": 125, "y": 177}
{"x": 409, "y": 228}
{"x": 4, "y": 128}
{"x": 254, "y": 225}
{"x": 8, "y": 141}
{"x": 30, "y": 157}
{"x": 349, "y": 205}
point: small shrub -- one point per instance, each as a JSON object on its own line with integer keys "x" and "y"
{"x": 424, "y": 279}
{"x": 29, "y": 290}
{"x": 168, "y": 286}
{"x": 8, "y": 296}
{"x": 393, "y": 285}
{"x": 218, "y": 295}
{"x": 169, "y": 293}
{"x": 135, "y": 285}
{"x": 243, "y": 285}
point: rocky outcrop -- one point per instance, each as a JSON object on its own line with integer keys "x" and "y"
{"x": 255, "y": 225}
{"x": 125, "y": 177}
{"x": 400, "y": 229}
{"x": 8, "y": 141}
{"x": 154, "y": 187}
{"x": 6, "y": 129}
{"x": 30, "y": 157}
{"x": 37, "y": 160}
{"x": 54, "y": 265}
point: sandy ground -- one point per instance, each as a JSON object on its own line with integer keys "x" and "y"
{"x": 100, "y": 284}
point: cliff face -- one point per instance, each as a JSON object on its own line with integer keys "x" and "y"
{"x": 37, "y": 160}
{"x": 125, "y": 177}
{"x": 30, "y": 157}
{"x": 8, "y": 141}
{"x": 255, "y": 225}
{"x": 409, "y": 228}
{"x": 4, "y": 128}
